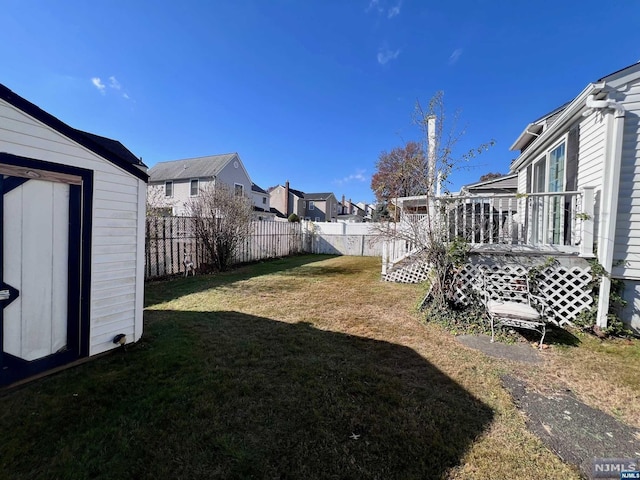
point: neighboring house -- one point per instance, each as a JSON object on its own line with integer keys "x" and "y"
{"x": 507, "y": 184}
{"x": 350, "y": 212}
{"x": 590, "y": 146}
{"x": 174, "y": 183}
{"x": 317, "y": 207}
{"x": 72, "y": 239}
{"x": 321, "y": 207}
{"x": 261, "y": 203}
{"x": 285, "y": 201}
{"x": 368, "y": 210}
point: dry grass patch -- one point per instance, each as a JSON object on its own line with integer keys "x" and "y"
{"x": 603, "y": 373}
{"x": 308, "y": 367}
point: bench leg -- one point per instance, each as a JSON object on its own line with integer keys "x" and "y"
{"x": 544, "y": 331}
{"x": 492, "y": 329}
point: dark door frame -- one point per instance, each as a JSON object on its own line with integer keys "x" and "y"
{"x": 79, "y": 268}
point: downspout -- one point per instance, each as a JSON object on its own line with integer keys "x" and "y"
{"x": 609, "y": 207}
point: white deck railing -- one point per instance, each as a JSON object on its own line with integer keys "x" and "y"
{"x": 545, "y": 222}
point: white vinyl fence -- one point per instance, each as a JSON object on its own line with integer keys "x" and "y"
{"x": 359, "y": 239}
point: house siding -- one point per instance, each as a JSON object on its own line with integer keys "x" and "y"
{"x": 626, "y": 256}
{"x": 277, "y": 200}
{"x": 116, "y": 295}
{"x": 181, "y": 194}
{"x": 232, "y": 175}
{"x": 591, "y": 152}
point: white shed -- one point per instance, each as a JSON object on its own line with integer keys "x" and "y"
{"x": 72, "y": 210}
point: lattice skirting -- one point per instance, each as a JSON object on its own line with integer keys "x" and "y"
{"x": 565, "y": 288}
{"x": 416, "y": 272}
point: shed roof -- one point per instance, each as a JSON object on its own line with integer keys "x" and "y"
{"x": 111, "y": 150}
{"x": 200, "y": 167}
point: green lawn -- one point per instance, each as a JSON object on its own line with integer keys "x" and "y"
{"x": 308, "y": 367}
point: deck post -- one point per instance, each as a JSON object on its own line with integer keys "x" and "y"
{"x": 587, "y": 224}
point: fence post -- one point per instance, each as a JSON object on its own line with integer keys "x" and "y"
{"x": 385, "y": 256}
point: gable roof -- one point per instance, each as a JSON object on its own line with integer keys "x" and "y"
{"x": 556, "y": 118}
{"x": 506, "y": 183}
{"x": 111, "y": 150}
{"x": 199, "y": 167}
{"x": 318, "y": 196}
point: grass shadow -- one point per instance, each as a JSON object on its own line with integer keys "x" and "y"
{"x": 169, "y": 289}
{"x": 556, "y": 336}
{"x": 229, "y": 395}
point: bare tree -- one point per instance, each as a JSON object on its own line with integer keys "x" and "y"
{"x": 424, "y": 232}
{"x": 158, "y": 204}
{"x": 221, "y": 221}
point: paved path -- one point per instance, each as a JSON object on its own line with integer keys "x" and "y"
{"x": 520, "y": 352}
{"x": 576, "y": 432}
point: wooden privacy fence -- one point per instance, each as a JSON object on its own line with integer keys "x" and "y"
{"x": 170, "y": 239}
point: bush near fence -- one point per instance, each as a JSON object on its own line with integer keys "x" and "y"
{"x": 170, "y": 239}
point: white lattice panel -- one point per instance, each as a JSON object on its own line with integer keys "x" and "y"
{"x": 411, "y": 273}
{"x": 565, "y": 289}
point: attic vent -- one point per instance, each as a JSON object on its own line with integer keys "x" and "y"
{"x": 235, "y": 164}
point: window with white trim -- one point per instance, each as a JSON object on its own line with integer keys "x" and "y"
{"x": 239, "y": 189}
{"x": 194, "y": 187}
{"x": 311, "y": 205}
{"x": 548, "y": 212}
{"x": 168, "y": 189}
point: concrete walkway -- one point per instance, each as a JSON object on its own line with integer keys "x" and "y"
{"x": 577, "y": 433}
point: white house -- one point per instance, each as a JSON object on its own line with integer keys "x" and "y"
{"x": 590, "y": 143}
{"x": 261, "y": 203}
{"x": 172, "y": 184}
{"x": 72, "y": 237}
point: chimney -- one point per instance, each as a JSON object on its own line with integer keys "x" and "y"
{"x": 286, "y": 198}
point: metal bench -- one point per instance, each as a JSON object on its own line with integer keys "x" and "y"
{"x": 509, "y": 303}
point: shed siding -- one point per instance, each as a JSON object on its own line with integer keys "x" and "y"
{"x": 627, "y": 244}
{"x": 117, "y": 212}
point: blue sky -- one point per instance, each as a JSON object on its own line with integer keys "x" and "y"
{"x": 308, "y": 91}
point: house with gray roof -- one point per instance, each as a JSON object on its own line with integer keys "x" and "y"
{"x": 261, "y": 203}
{"x": 174, "y": 183}
{"x": 317, "y": 207}
{"x": 321, "y": 207}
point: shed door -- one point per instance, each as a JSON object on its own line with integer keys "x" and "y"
{"x": 39, "y": 272}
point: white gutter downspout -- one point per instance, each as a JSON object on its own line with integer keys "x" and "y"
{"x": 610, "y": 189}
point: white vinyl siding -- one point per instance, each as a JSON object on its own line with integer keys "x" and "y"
{"x": 118, "y": 213}
{"x": 627, "y": 245}
{"x": 591, "y": 152}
